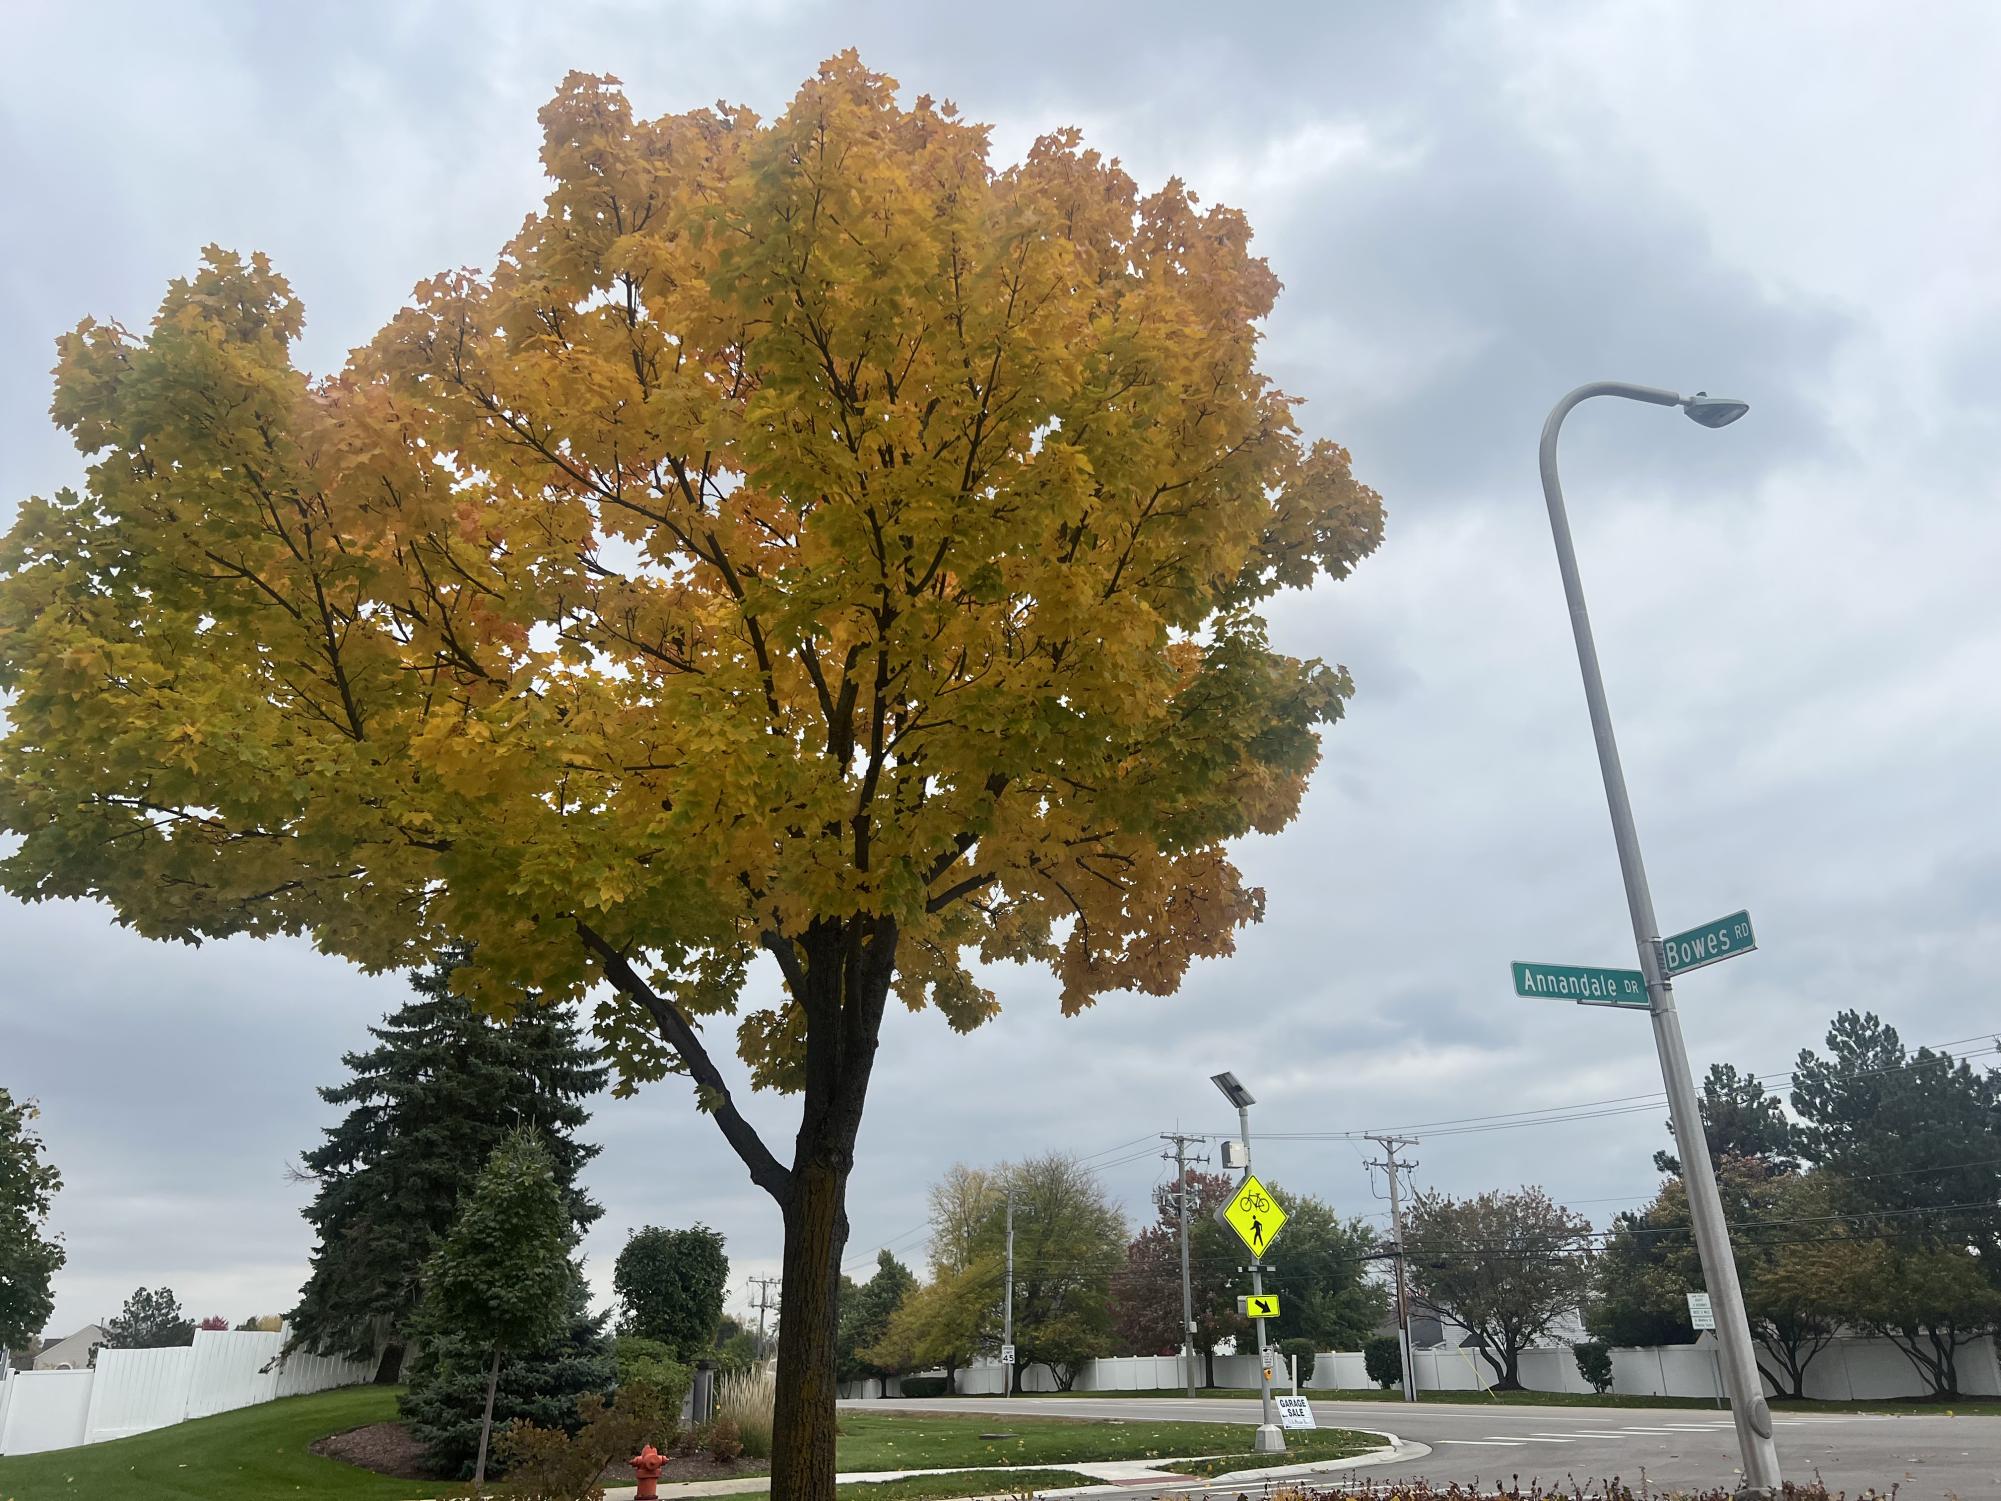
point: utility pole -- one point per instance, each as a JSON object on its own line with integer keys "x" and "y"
{"x": 764, "y": 1285}
{"x": 1749, "y": 1412}
{"x": 1007, "y": 1312}
{"x": 1390, "y": 1144}
{"x": 1181, "y": 1211}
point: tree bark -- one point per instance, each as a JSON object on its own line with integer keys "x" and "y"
{"x": 838, "y": 973}
{"x": 486, "y": 1424}
{"x": 802, "y": 1440}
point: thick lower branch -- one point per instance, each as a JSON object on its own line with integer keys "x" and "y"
{"x": 765, "y": 1170}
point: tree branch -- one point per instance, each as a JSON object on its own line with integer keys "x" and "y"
{"x": 765, "y": 1170}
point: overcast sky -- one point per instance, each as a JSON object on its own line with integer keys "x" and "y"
{"x": 1474, "y": 207}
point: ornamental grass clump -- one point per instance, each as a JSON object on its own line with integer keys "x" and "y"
{"x": 748, "y": 1399}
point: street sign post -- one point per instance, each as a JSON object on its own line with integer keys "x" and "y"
{"x": 1258, "y": 1306}
{"x": 1711, "y": 943}
{"x": 1588, "y": 985}
{"x": 1007, "y": 1354}
{"x": 1254, "y": 1214}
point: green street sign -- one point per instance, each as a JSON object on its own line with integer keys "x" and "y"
{"x": 1725, "y": 938}
{"x": 1586, "y": 985}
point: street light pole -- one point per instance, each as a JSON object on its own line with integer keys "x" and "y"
{"x": 1270, "y": 1437}
{"x": 1007, "y": 1313}
{"x": 1749, "y": 1411}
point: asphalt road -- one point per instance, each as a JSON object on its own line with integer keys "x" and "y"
{"x": 1928, "y": 1458}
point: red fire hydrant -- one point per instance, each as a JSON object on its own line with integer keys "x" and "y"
{"x": 647, "y": 1465}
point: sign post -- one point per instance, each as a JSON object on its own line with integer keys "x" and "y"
{"x": 1257, "y": 1218}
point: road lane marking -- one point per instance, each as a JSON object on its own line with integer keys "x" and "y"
{"x": 1477, "y": 1443}
{"x": 1646, "y": 1430}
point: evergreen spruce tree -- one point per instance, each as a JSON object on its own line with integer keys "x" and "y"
{"x": 427, "y": 1106}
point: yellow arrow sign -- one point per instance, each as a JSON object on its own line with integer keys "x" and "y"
{"x": 1258, "y": 1305}
{"x": 1255, "y": 1216}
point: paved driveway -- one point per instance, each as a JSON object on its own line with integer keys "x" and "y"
{"x": 1930, "y": 1458}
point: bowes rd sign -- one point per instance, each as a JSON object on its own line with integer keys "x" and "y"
{"x": 1711, "y": 943}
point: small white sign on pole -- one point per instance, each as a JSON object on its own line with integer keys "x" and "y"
{"x": 1007, "y": 1354}
{"x": 1700, "y": 1314}
{"x": 1294, "y": 1412}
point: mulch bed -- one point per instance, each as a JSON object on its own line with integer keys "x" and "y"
{"x": 388, "y": 1449}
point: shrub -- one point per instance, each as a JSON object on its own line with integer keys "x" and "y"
{"x": 1594, "y": 1363}
{"x": 746, "y": 1400}
{"x": 1300, "y": 1353}
{"x": 547, "y": 1464}
{"x": 1382, "y": 1358}
{"x": 922, "y": 1386}
{"x": 723, "y": 1442}
{"x": 650, "y": 1363}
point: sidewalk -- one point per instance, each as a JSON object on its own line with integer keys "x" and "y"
{"x": 1113, "y": 1476}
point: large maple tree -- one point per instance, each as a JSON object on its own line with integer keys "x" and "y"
{"x": 810, "y": 540}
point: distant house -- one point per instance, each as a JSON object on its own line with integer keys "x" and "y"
{"x": 72, "y": 1354}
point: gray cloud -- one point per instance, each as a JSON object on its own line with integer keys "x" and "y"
{"x": 1474, "y": 207}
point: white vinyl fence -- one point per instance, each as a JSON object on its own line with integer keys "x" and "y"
{"x": 1849, "y": 1369}
{"x": 136, "y": 1391}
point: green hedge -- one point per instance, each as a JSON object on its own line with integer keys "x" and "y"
{"x": 923, "y": 1386}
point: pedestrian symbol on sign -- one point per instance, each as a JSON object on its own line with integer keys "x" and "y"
{"x": 1255, "y": 1215}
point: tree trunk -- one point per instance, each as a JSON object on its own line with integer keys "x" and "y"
{"x": 486, "y": 1425}
{"x": 802, "y": 1440}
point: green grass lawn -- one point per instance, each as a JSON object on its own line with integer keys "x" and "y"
{"x": 255, "y": 1454}
{"x": 965, "y": 1483}
{"x": 260, "y": 1453}
{"x": 925, "y": 1441}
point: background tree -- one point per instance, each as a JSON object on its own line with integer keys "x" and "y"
{"x": 811, "y": 542}
{"x": 1330, "y": 1300}
{"x": 1145, "y": 1305}
{"x": 1793, "y": 1261}
{"x": 215, "y": 1322}
{"x": 670, "y": 1286}
{"x": 29, "y": 1256}
{"x": 150, "y": 1320}
{"x": 1740, "y": 1119}
{"x": 1069, "y": 1240}
{"x": 1382, "y": 1358}
{"x": 943, "y": 1323}
{"x": 1912, "y": 1139}
{"x": 425, "y": 1108}
{"x": 1915, "y": 1136}
{"x": 1146, "y": 1296}
{"x": 445, "y": 1406}
{"x": 1508, "y": 1266}
{"x": 866, "y": 1310}
{"x": 1930, "y": 1301}
{"x": 501, "y": 1277}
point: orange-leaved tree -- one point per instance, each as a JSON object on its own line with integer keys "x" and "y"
{"x": 809, "y": 541}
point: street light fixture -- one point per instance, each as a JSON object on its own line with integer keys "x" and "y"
{"x": 1270, "y": 1438}
{"x": 1748, "y": 1409}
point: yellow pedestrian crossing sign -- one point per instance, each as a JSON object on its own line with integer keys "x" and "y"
{"x": 1254, "y": 1214}
{"x": 1258, "y": 1305}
